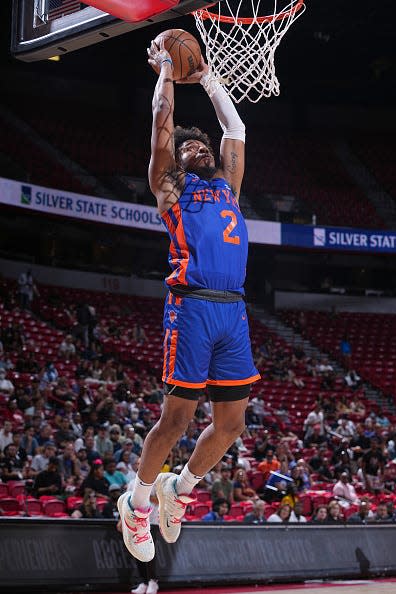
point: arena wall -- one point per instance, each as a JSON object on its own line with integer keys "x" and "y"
{"x": 47, "y": 554}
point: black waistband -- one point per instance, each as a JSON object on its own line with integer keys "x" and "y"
{"x": 206, "y": 294}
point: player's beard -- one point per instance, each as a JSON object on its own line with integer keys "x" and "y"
{"x": 204, "y": 172}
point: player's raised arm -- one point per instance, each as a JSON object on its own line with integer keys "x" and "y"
{"x": 162, "y": 166}
{"x": 232, "y": 150}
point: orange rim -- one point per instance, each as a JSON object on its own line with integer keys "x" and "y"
{"x": 206, "y": 14}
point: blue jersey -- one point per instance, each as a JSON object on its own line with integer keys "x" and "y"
{"x": 209, "y": 240}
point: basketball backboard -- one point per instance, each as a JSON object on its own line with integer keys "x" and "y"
{"x": 45, "y": 28}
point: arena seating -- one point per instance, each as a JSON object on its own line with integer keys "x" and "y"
{"x": 41, "y": 167}
{"x": 108, "y": 144}
{"x": 377, "y": 152}
{"x": 372, "y": 338}
{"x": 304, "y": 165}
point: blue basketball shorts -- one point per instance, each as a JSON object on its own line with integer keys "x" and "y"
{"x": 206, "y": 342}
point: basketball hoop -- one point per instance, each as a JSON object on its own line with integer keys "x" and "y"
{"x": 240, "y": 49}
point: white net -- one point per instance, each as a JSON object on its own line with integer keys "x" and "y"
{"x": 241, "y": 43}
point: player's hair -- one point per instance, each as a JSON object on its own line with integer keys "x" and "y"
{"x": 193, "y": 133}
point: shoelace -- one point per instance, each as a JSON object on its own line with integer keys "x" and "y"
{"x": 177, "y": 510}
{"x": 141, "y": 524}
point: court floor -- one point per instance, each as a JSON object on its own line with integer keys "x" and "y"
{"x": 384, "y": 586}
{"x": 335, "y": 587}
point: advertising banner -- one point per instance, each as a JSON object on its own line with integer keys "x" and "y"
{"x": 101, "y": 210}
{"x": 90, "y": 208}
{"x": 85, "y": 553}
{"x": 339, "y": 238}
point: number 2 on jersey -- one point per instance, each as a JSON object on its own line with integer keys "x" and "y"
{"x": 230, "y": 227}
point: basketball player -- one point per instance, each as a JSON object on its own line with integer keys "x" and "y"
{"x": 206, "y": 340}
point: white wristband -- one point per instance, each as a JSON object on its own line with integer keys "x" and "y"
{"x": 229, "y": 119}
{"x": 210, "y": 83}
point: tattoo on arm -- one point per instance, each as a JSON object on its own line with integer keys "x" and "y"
{"x": 233, "y": 165}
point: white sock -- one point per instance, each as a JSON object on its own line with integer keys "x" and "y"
{"x": 186, "y": 481}
{"x": 141, "y": 494}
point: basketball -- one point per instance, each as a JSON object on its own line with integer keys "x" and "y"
{"x": 184, "y": 49}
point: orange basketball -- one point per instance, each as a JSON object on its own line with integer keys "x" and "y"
{"x": 184, "y": 49}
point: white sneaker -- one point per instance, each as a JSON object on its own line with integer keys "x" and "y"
{"x": 136, "y": 529}
{"x": 141, "y": 589}
{"x": 152, "y": 587}
{"x": 172, "y": 506}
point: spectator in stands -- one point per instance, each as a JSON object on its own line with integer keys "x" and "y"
{"x": 115, "y": 437}
{"x": 304, "y": 474}
{"x": 96, "y": 480}
{"x": 92, "y": 453}
{"x": 48, "y": 481}
{"x": 315, "y": 417}
{"x": 345, "y": 427}
{"x": 12, "y": 465}
{"x": 390, "y": 506}
{"x": 357, "y": 407}
{"x": 320, "y": 515}
{"x": 382, "y": 515}
{"x": 360, "y": 443}
{"x": 382, "y": 420}
{"x": 296, "y": 515}
{"x": 67, "y": 350}
{"x": 220, "y": 508}
{"x": 335, "y": 515}
{"x": 281, "y": 516}
{"x": 315, "y": 437}
{"x": 128, "y": 452}
{"x": 188, "y": 442}
{"x": 76, "y": 425}
{"x": 83, "y": 371}
{"x": 203, "y": 412}
{"x": 352, "y": 379}
{"x": 138, "y": 334}
{"x": 40, "y": 461}
{"x": 86, "y": 322}
{"x": 64, "y": 433}
{"x": 13, "y": 414}
{"x": 82, "y": 457}
{"x": 105, "y": 405}
{"x": 316, "y": 457}
{"x": 45, "y": 434}
{"x": 5, "y": 435}
{"x": 108, "y": 374}
{"x": 130, "y": 433}
{"x": 252, "y": 420}
{"x": 110, "y": 509}
{"x": 259, "y": 406}
{"x": 325, "y": 472}
{"x": 69, "y": 464}
{"x": 103, "y": 444}
{"x": 48, "y": 376}
{"x": 242, "y": 488}
{"x": 257, "y": 515}
{"x": 223, "y": 487}
{"x": 28, "y": 442}
{"x": 114, "y": 476}
{"x": 26, "y": 289}
{"x": 363, "y": 515}
{"x": 345, "y": 491}
{"x": 346, "y": 350}
{"x": 261, "y": 446}
{"x": 88, "y": 508}
{"x": 373, "y": 466}
{"x": 6, "y": 385}
{"x": 270, "y": 463}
